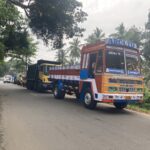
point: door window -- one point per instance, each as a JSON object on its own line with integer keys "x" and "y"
{"x": 99, "y": 67}
{"x": 92, "y": 64}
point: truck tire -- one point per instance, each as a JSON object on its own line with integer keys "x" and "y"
{"x": 88, "y": 100}
{"x": 77, "y": 95}
{"x": 38, "y": 86}
{"x": 119, "y": 105}
{"x": 58, "y": 94}
{"x": 28, "y": 86}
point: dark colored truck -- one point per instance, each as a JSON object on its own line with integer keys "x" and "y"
{"x": 37, "y": 75}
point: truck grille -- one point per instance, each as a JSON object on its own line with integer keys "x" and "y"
{"x": 125, "y": 81}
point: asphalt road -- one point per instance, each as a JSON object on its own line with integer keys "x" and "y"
{"x": 32, "y": 121}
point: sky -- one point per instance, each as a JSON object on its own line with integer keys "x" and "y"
{"x": 107, "y": 15}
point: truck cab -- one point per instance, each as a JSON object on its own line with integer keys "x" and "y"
{"x": 43, "y": 72}
{"x": 110, "y": 72}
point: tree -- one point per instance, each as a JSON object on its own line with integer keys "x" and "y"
{"x": 18, "y": 66}
{"x": 147, "y": 40}
{"x": 53, "y": 19}
{"x": 146, "y": 50}
{"x": 12, "y": 67}
{"x": 4, "y": 68}
{"x": 9, "y": 15}
{"x": 133, "y": 34}
{"x": 61, "y": 56}
{"x": 2, "y": 53}
{"x": 96, "y": 36}
{"x": 74, "y": 51}
{"x": 121, "y": 32}
{"x": 23, "y": 55}
{"x": 14, "y": 38}
{"x": 8, "y": 21}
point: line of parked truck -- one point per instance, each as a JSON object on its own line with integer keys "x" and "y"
{"x": 109, "y": 72}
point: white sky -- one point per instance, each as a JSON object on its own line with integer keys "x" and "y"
{"x": 107, "y": 14}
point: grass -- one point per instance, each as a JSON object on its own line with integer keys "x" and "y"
{"x": 142, "y": 107}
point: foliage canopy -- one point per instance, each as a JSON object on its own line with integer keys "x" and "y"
{"x": 53, "y": 19}
{"x": 14, "y": 37}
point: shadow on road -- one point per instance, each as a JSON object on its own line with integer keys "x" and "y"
{"x": 108, "y": 109}
{"x": 101, "y": 108}
{"x": 69, "y": 100}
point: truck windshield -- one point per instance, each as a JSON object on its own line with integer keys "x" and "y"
{"x": 46, "y": 70}
{"x": 132, "y": 62}
{"x": 115, "y": 62}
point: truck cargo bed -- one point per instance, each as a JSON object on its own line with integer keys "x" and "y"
{"x": 65, "y": 72}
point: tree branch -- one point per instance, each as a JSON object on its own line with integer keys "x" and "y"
{"x": 29, "y": 2}
{"x": 19, "y": 4}
{"x": 26, "y": 12}
{"x": 13, "y": 55}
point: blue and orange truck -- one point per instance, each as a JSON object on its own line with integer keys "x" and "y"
{"x": 109, "y": 72}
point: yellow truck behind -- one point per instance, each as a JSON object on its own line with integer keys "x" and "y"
{"x": 37, "y": 75}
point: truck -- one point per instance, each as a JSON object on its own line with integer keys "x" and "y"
{"x": 37, "y": 75}
{"x": 20, "y": 79}
{"x": 109, "y": 72}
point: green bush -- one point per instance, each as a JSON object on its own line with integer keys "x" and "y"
{"x": 146, "y": 95}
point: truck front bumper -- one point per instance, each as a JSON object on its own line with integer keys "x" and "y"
{"x": 130, "y": 98}
{"x": 47, "y": 86}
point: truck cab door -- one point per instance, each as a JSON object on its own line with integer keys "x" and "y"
{"x": 88, "y": 65}
{"x": 92, "y": 64}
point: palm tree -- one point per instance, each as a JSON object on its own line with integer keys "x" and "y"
{"x": 74, "y": 51}
{"x": 96, "y": 36}
{"x": 121, "y": 32}
{"x": 61, "y": 56}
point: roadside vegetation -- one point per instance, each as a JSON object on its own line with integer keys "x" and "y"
{"x": 145, "y": 106}
{"x": 142, "y": 107}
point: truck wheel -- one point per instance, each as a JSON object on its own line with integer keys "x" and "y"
{"x": 88, "y": 100}
{"x": 39, "y": 87}
{"x": 28, "y": 86}
{"x": 77, "y": 95}
{"x": 58, "y": 94}
{"x": 120, "y": 105}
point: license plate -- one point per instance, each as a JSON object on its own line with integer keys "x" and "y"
{"x": 128, "y": 97}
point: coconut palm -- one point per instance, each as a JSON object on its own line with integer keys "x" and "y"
{"x": 74, "y": 51}
{"x": 61, "y": 56}
{"x": 120, "y": 32}
{"x": 96, "y": 36}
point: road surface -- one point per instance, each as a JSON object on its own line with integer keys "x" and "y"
{"x": 32, "y": 121}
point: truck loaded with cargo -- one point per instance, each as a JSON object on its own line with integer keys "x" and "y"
{"x": 109, "y": 72}
{"x": 37, "y": 75}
